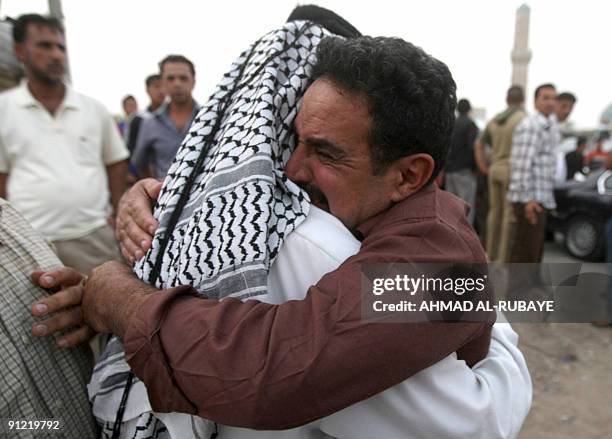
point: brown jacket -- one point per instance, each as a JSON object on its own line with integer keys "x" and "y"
{"x": 257, "y": 365}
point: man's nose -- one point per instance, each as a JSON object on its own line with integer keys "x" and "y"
{"x": 297, "y": 168}
{"x": 58, "y": 53}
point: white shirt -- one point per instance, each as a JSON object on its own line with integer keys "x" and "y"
{"x": 56, "y": 163}
{"x": 447, "y": 400}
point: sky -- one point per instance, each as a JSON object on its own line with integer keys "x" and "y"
{"x": 114, "y": 44}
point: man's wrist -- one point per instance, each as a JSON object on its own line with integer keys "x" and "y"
{"x": 126, "y": 305}
{"x": 126, "y": 311}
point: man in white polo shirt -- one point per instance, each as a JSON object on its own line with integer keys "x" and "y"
{"x": 61, "y": 156}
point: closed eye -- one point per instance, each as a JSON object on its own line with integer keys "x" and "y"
{"x": 325, "y": 155}
{"x": 325, "y": 149}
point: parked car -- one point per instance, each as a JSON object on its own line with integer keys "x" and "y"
{"x": 583, "y": 208}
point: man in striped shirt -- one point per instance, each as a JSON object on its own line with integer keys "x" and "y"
{"x": 532, "y": 176}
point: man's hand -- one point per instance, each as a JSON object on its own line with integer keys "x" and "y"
{"x": 135, "y": 224}
{"x": 112, "y": 294}
{"x": 532, "y": 209}
{"x": 480, "y": 157}
{"x": 65, "y": 303}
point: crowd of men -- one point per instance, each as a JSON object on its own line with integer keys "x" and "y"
{"x": 232, "y": 291}
{"x": 518, "y": 153}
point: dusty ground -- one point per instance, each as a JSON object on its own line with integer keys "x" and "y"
{"x": 571, "y": 368}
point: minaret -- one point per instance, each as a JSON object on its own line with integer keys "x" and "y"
{"x": 521, "y": 55}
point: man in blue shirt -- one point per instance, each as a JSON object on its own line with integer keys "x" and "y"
{"x": 161, "y": 135}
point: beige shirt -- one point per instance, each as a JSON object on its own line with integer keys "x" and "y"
{"x": 56, "y": 163}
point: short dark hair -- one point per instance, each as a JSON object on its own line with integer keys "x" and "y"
{"x": 176, "y": 58}
{"x": 581, "y": 140}
{"x": 127, "y": 98}
{"x": 542, "y": 87}
{"x": 152, "y": 78}
{"x": 20, "y": 26}
{"x": 463, "y": 106}
{"x": 566, "y": 96}
{"x": 411, "y": 95}
{"x": 515, "y": 95}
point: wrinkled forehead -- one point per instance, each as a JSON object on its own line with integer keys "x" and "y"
{"x": 326, "y": 105}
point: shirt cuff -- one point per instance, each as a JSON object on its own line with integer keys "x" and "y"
{"x": 145, "y": 354}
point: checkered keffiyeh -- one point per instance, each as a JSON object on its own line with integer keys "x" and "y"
{"x": 39, "y": 380}
{"x": 226, "y": 205}
{"x": 533, "y": 161}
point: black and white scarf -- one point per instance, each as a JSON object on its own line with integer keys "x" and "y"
{"x": 226, "y": 205}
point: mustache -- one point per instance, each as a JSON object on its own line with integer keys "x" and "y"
{"x": 316, "y": 196}
{"x": 56, "y": 65}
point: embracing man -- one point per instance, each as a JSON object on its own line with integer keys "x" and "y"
{"x": 369, "y": 138}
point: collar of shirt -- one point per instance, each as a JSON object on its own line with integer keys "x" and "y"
{"x": 163, "y": 115}
{"x": 544, "y": 121}
{"x": 416, "y": 207}
{"x": 165, "y": 109}
{"x": 162, "y": 109}
{"x": 553, "y": 118}
{"x": 26, "y": 99}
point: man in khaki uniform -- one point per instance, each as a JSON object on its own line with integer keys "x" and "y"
{"x": 498, "y": 134}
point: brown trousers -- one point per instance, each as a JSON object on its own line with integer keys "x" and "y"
{"x": 528, "y": 241}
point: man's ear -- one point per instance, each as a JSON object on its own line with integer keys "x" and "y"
{"x": 410, "y": 174}
{"x": 19, "y": 51}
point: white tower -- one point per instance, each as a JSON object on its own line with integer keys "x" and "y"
{"x": 521, "y": 55}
